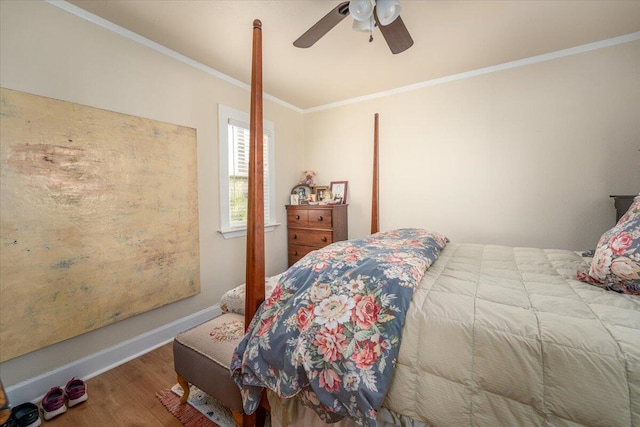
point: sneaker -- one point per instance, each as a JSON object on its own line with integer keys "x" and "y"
{"x": 53, "y": 403}
{"x": 76, "y": 392}
{"x": 25, "y": 415}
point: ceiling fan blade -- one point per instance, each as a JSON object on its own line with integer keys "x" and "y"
{"x": 396, "y": 35}
{"x": 323, "y": 26}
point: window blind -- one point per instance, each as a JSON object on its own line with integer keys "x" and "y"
{"x": 239, "y": 172}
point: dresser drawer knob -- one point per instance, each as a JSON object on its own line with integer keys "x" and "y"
{"x": 295, "y": 253}
{"x": 324, "y": 239}
{"x": 297, "y": 216}
{"x": 295, "y": 236}
{"x": 320, "y": 218}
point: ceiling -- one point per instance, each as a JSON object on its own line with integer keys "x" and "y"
{"x": 450, "y": 37}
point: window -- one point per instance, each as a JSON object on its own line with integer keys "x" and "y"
{"x": 234, "y": 163}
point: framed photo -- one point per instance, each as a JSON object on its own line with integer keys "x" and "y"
{"x": 339, "y": 190}
{"x": 294, "y": 199}
{"x": 303, "y": 192}
{"x": 320, "y": 192}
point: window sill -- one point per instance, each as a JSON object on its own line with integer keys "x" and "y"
{"x": 232, "y": 233}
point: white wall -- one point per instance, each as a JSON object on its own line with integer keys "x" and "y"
{"x": 47, "y": 51}
{"x": 526, "y": 156}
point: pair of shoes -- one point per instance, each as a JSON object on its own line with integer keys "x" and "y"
{"x": 53, "y": 403}
{"x": 24, "y": 415}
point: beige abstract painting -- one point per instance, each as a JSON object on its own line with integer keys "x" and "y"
{"x": 98, "y": 219}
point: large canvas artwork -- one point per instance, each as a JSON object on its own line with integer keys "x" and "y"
{"x": 98, "y": 219}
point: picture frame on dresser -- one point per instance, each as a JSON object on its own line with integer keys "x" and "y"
{"x": 320, "y": 191}
{"x": 303, "y": 192}
{"x": 339, "y": 190}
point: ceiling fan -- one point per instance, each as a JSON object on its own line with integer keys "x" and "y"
{"x": 367, "y": 14}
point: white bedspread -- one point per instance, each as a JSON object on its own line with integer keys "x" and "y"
{"x": 507, "y": 336}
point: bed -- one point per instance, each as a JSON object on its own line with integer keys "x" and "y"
{"x": 490, "y": 335}
{"x": 499, "y": 335}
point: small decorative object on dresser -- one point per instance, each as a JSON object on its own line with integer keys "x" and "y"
{"x": 339, "y": 190}
{"x": 308, "y": 178}
{"x": 312, "y": 227}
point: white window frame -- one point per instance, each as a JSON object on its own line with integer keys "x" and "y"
{"x": 227, "y": 115}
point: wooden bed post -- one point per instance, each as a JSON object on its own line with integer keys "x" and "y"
{"x": 254, "y": 286}
{"x": 375, "y": 223}
{"x": 255, "y": 212}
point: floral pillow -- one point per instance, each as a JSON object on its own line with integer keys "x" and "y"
{"x": 233, "y": 301}
{"x": 616, "y": 262}
{"x": 632, "y": 212}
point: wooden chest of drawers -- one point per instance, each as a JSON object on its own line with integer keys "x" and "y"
{"x": 313, "y": 227}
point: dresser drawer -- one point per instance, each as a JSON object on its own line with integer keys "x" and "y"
{"x": 296, "y": 252}
{"x": 313, "y": 238}
{"x": 314, "y": 218}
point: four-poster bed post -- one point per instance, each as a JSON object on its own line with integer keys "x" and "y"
{"x": 375, "y": 222}
{"x": 255, "y": 263}
{"x": 255, "y": 274}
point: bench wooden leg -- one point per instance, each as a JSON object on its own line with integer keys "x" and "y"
{"x": 185, "y": 389}
{"x": 239, "y": 418}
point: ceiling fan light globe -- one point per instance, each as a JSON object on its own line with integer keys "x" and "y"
{"x": 361, "y": 10}
{"x": 363, "y": 26}
{"x": 387, "y": 11}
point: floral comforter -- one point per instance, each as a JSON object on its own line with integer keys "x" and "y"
{"x": 331, "y": 329}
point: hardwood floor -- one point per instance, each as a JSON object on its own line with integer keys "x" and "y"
{"x": 126, "y": 396}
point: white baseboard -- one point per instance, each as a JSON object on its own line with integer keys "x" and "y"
{"x": 33, "y": 389}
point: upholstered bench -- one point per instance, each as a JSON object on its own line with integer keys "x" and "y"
{"x": 202, "y": 356}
